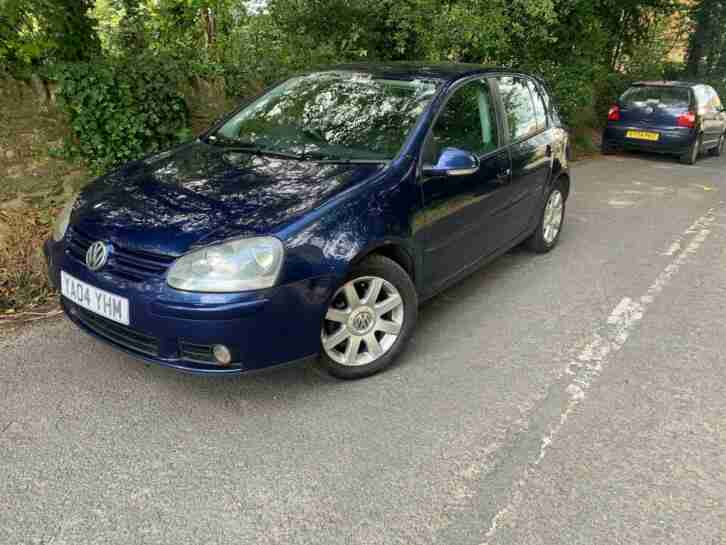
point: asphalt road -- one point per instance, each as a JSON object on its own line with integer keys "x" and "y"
{"x": 573, "y": 398}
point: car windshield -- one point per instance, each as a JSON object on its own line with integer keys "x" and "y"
{"x": 332, "y": 115}
{"x": 656, "y": 96}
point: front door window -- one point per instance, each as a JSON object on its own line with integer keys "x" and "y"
{"x": 468, "y": 122}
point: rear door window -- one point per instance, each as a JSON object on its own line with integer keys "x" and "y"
{"x": 518, "y": 107}
{"x": 672, "y": 98}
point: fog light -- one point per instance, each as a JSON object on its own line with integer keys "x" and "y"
{"x": 222, "y": 354}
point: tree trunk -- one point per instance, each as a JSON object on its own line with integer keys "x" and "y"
{"x": 698, "y": 44}
{"x": 209, "y": 25}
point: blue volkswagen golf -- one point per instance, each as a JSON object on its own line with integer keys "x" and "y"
{"x": 671, "y": 117}
{"x": 314, "y": 220}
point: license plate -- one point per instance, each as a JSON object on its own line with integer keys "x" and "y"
{"x": 97, "y": 301}
{"x": 643, "y": 135}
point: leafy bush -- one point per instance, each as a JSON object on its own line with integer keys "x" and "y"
{"x": 34, "y": 33}
{"x": 571, "y": 85}
{"x": 607, "y": 91}
{"x": 121, "y": 109}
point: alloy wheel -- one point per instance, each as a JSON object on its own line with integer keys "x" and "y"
{"x": 552, "y": 219}
{"x": 363, "y": 322}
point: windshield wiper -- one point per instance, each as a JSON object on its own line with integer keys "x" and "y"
{"x": 225, "y": 141}
{"x": 231, "y": 144}
{"x": 257, "y": 150}
{"x": 245, "y": 146}
{"x": 345, "y": 161}
{"x": 327, "y": 159}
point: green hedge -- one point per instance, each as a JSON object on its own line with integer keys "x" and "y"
{"x": 121, "y": 109}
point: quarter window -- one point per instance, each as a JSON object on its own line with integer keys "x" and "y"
{"x": 550, "y": 108}
{"x": 539, "y": 105}
{"x": 518, "y": 107}
{"x": 468, "y": 121}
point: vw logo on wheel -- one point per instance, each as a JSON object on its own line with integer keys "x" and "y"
{"x": 363, "y": 321}
{"x": 96, "y": 255}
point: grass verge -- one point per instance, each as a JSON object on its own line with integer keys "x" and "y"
{"x": 23, "y": 281}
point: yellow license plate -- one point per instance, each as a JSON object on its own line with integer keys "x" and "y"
{"x": 643, "y": 135}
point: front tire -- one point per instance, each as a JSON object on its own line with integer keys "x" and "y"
{"x": 369, "y": 320}
{"x": 547, "y": 234}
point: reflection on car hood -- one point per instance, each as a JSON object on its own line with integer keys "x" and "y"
{"x": 170, "y": 202}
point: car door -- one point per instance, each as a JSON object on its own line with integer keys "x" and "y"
{"x": 458, "y": 223}
{"x": 530, "y": 144}
{"x": 710, "y": 118}
{"x": 715, "y": 111}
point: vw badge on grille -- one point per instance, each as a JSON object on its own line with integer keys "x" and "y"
{"x": 97, "y": 255}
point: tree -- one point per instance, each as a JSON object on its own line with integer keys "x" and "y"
{"x": 33, "y": 32}
{"x": 707, "y": 43}
{"x": 132, "y": 35}
{"x": 68, "y": 25}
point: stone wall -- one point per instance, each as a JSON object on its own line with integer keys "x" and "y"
{"x": 31, "y": 127}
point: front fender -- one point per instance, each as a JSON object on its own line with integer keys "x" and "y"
{"x": 380, "y": 214}
{"x": 560, "y": 163}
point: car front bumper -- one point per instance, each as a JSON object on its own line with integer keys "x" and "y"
{"x": 669, "y": 141}
{"x": 178, "y": 329}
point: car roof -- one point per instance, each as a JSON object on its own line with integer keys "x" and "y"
{"x": 666, "y": 83}
{"x": 419, "y": 70}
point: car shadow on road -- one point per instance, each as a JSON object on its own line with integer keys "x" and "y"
{"x": 662, "y": 158}
{"x": 293, "y": 381}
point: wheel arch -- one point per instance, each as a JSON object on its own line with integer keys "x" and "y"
{"x": 394, "y": 251}
{"x": 564, "y": 179}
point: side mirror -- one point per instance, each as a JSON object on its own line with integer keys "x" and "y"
{"x": 453, "y": 162}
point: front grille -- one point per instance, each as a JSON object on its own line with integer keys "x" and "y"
{"x": 117, "y": 333}
{"x": 199, "y": 353}
{"x": 133, "y": 265}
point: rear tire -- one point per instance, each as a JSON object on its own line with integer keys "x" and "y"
{"x": 369, "y": 320}
{"x": 552, "y": 217}
{"x": 719, "y": 149}
{"x": 691, "y": 156}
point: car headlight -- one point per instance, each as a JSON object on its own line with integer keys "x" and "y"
{"x": 63, "y": 219}
{"x": 237, "y": 265}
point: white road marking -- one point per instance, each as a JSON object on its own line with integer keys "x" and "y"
{"x": 620, "y": 203}
{"x": 673, "y": 248}
{"x": 611, "y": 337}
{"x": 697, "y": 225}
{"x": 581, "y": 219}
